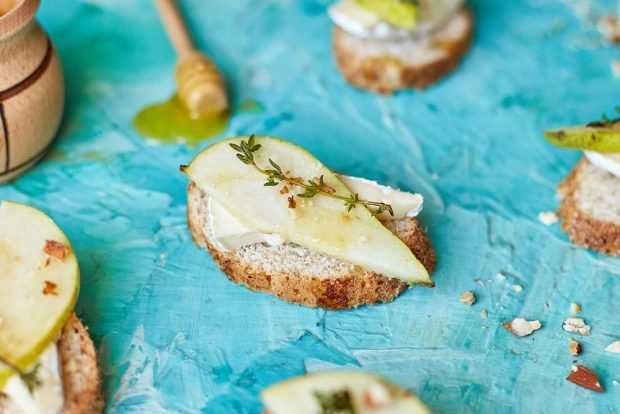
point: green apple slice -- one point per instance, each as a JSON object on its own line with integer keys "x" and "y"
{"x": 39, "y": 276}
{"x": 399, "y": 13}
{"x": 587, "y": 137}
{"x": 321, "y": 224}
{"x": 341, "y": 391}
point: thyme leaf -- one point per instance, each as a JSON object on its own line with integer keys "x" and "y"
{"x": 605, "y": 122}
{"x": 245, "y": 153}
{"x": 31, "y": 378}
{"x": 337, "y": 402}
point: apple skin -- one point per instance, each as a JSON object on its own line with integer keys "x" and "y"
{"x": 321, "y": 224}
{"x": 32, "y": 319}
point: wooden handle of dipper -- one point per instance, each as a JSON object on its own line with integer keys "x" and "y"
{"x": 201, "y": 88}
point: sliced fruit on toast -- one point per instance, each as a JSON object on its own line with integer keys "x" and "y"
{"x": 340, "y": 392}
{"x": 388, "y": 65}
{"x": 335, "y": 227}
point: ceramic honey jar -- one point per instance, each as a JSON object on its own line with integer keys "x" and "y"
{"x": 31, "y": 88}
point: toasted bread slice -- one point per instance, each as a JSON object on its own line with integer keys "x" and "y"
{"x": 80, "y": 375}
{"x": 385, "y": 66}
{"x": 298, "y": 275}
{"x": 590, "y": 208}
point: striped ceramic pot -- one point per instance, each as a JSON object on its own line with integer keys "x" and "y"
{"x": 31, "y": 89}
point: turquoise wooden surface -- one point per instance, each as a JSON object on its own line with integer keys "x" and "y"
{"x": 174, "y": 335}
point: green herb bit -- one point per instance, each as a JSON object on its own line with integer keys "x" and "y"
{"x": 275, "y": 175}
{"x": 605, "y": 122}
{"x": 337, "y": 402}
{"x": 29, "y": 378}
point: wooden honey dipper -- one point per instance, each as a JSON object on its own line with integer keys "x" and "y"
{"x": 200, "y": 86}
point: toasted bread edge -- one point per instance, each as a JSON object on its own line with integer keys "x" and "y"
{"x": 583, "y": 229}
{"x": 342, "y": 292}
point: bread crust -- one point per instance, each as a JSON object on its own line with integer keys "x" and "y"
{"x": 583, "y": 229}
{"x": 81, "y": 380}
{"x": 358, "y": 287}
{"x": 387, "y": 73}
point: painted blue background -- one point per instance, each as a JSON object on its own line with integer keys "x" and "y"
{"x": 175, "y": 335}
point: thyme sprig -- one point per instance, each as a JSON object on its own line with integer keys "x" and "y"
{"x": 337, "y": 402}
{"x": 275, "y": 175}
{"x": 31, "y": 378}
{"x": 605, "y": 122}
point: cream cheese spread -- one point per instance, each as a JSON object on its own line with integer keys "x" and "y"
{"x": 230, "y": 234}
{"x": 47, "y": 396}
{"x": 360, "y": 22}
{"x": 609, "y": 162}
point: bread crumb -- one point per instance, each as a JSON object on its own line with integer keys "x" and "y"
{"x": 500, "y": 276}
{"x": 484, "y": 313}
{"x": 548, "y": 217}
{"x": 575, "y": 347}
{"x": 609, "y": 27}
{"x": 522, "y": 327}
{"x": 468, "y": 298}
{"x": 576, "y": 325}
{"x": 615, "y": 68}
{"x": 613, "y": 347}
{"x": 575, "y": 308}
{"x": 517, "y": 288}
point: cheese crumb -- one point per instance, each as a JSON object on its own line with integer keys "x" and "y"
{"x": 548, "y": 217}
{"x": 517, "y": 288}
{"x": 615, "y": 68}
{"x": 522, "y": 327}
{"x": 576, "y": 325}
{"x": 575, "y": 308}
{"x": 467, "y": 298}
{"x": 609, "y": 27}
{"x": 613, "y": 347}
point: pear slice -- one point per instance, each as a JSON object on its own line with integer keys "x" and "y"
{"x": 591, "y": 137}
{"x": 358, "y": 391}
{"x": 402, "y": 14}
{"x": 39, "y": 276}
{"x": 321, "y": 224}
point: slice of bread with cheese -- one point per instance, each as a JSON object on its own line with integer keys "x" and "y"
{"x": 81, "y": 381}
{"x": 340, "y": 392}
{"x": 387, "y": 65}
{"x": 48, "y": 362}
{"x": 310, "y": 251}
{"x": 298, "y": 275}
{"x": 590, "y": 207}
